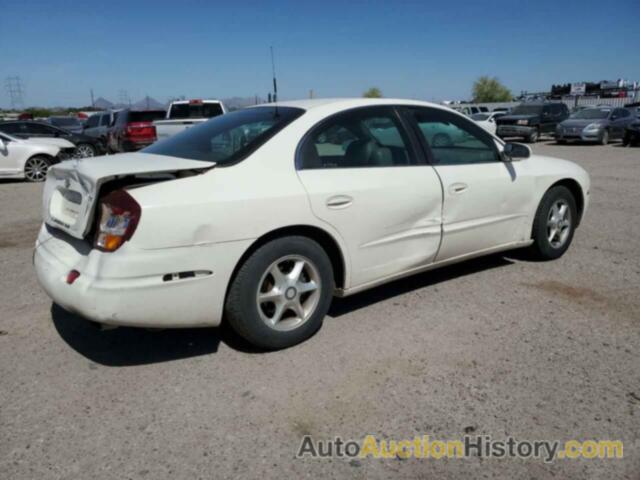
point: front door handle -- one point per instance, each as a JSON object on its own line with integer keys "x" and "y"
{"x": 339, "y": 201}
{"x": 457, "y": 188}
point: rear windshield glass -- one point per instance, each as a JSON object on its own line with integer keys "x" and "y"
{"x": 65, "y": 122}
{"x": 146, "y": 116}
{"x": 527, "y": 110}
{"x": 478, "y": 117}
{"x": 227, "y": 138}
{"x": 195, "y": 110}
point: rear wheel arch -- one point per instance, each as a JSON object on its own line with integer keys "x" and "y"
{"x": 322, "y": 237}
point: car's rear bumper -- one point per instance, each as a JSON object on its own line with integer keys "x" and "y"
{"x": 130, "y": 287}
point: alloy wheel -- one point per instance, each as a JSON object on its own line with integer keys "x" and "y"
{"x": 559, "y": 224}
{"x": 83, "y": 151}
{"x": 288, "y": 292}
{"x": 35, "y": 170}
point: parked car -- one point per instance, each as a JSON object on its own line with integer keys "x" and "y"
{"x": 26, "y": 159}
{"x": 97, "y": 125}
{"x": 265, "y": 230}
{"x": 70, "y": 124}
{"x": 632, "y": 134}
{"x": 85, "y": 146}
{"x": 531, "y": 120}
{"x": 132, "y": 130}
{"x": 183, "y": 114}
{"x": 469, "y": 109}
{"x": 487, "y": 120}
{"x": 599, "y": 124}
{"x": 502, "y": 109}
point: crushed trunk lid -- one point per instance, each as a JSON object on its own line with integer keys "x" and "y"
{"x": 72, "y": 187}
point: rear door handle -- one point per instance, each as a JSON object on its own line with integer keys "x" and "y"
{"x": 339, "y": 201}
{"x": 456, "y": 188}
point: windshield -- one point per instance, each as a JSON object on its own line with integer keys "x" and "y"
{"x": 65, "y": 122}
{"x": 592, "y": 113}
{"x": 527, "y": 110}
{"x": 195, "y": 110}
{"x": 227, "y": 138}
{"x": 478, "y": 117}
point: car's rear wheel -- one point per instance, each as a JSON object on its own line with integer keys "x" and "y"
{"x": 84, "y": 150}
{"x": 281, "y": 293}
{"x": 35, "y": 169}
{"x": 554, "y": 224}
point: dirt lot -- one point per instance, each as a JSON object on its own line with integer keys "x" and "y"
{"x": 499, "y": 346}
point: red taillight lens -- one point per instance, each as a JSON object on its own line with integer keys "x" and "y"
{"x": 140, "y": 130}
{"x": 119, "y": 217}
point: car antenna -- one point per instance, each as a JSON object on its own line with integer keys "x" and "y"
{"x": 275, "y": 84}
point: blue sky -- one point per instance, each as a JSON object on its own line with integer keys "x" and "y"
{"x": 422, "y": 49}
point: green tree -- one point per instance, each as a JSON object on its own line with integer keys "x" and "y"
{"x": 489, "y": 89}
{"x": 373, "y": 92}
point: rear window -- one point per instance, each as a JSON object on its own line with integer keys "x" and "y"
{"x": 146, "y": 116}
{"x": 65, "y": 122}
{"x": 195, "y": 110}
{"x": 228, "y": 138}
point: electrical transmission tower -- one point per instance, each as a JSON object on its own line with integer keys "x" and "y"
{"x": 15, "y": 90}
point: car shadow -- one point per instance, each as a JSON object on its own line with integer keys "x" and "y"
{"x": 126, "y": 346}
{"x": 343, "y": 306}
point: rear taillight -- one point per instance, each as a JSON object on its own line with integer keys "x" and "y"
{"x": 119, "y": 217}
{"x": 140, "y": 130}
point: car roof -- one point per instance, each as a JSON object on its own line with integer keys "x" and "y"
{"x": 343, "y": 103}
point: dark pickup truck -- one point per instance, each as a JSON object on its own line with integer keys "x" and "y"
{"x": 531, "y": 120}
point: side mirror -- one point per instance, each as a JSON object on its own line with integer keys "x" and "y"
{"x": 515, "y": 151}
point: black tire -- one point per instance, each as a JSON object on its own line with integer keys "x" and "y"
{"x": 533, "y": 136}
{"x": 542, "y": 248}
{"x": 626, "y": 140}
{"x": 241, "y": 306}
{"x": 36, "y": 167}
{"x": 604, "y": 138}
{"x": 561, "y": 141}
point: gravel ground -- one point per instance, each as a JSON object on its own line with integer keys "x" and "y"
{"x": 498, "y": 346}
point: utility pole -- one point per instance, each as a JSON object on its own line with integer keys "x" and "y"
{"x": 311, "y": 93}
{"x": 15, "y": 90}
{"x": 93, "y": 102}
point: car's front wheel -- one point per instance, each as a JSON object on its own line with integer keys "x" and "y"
{"x": 84, "y": 150}
{"x": 533, "y": 136}
{"x": 35, "y": 169}
{"x": 281, "y": 293}
{"x": 554, "y": 223}
{"x": 604, "y": 138}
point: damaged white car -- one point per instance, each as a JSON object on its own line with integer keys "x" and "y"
{"x": 261, "y": 216}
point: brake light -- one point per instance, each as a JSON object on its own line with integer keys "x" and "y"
{"x": 119, "y": 217}
{"x": 196, "y": 102}
{"x": 140, "y": 130}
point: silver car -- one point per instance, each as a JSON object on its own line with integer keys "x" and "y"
{"x": 597, "y": 124}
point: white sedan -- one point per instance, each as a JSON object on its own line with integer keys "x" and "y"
{"x": 487, "y": 120}
{"x": 262, "y": 215}
{"x": 28, "y": 159}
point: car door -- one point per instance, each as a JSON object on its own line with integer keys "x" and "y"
{"x": 619, "y": 119}
{"x": 487, "y": 201}
{"x": 366, "y": 179}
{"x": 92, "y": 126}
